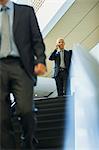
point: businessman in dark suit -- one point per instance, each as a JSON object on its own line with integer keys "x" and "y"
{"x": 20, "y": 43}
{"x": 62, "y": 60}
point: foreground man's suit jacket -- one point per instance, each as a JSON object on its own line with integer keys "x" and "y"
{"x": 27, "y": 36}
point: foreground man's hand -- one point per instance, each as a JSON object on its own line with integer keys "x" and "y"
{"x": 40, "y": 69}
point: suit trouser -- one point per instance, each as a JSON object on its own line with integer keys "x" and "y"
{"x": 13, "y": 78}
{"x": 61, "y": 82}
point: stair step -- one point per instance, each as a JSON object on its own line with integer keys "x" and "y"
{"x": 51, "y": 110}
{"x": 50, "y": 133}
{"x": 48, "y": 142}
{"x": 42, "y": 117}
{"x": 50, "y": 105}
{"x": 50, "y": 123}
{"x": 50, "y": 100}
{"x": 51, "y": 148}
{"x": 49, "y": 128}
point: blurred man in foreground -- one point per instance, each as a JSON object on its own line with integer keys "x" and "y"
{"x": 20, "y": 42}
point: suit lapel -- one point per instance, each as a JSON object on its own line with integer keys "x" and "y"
{"x": 59, "y": 58}
{"x": 64, "y": 56}
{"x": 15, "y": 19}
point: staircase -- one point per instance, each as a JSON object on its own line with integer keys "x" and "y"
{"x": 50, "y": 123}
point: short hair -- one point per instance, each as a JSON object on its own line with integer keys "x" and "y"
{"x": 60, "y": 39}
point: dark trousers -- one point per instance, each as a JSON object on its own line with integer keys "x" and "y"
{"x": 13, "y": 78}
{"x": 61, "y": 82}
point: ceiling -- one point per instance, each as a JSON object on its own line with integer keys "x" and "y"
{"x": 80, "y": 24}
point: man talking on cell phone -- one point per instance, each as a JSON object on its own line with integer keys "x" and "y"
{"x": 62, "y": 59}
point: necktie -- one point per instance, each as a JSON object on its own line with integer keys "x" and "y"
{"x": 62, "y": 64}
{"x": 5, "y": 34}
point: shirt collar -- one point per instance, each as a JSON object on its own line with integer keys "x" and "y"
{"x": 62, "y": 50}
{"x": 9, "y": 4}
